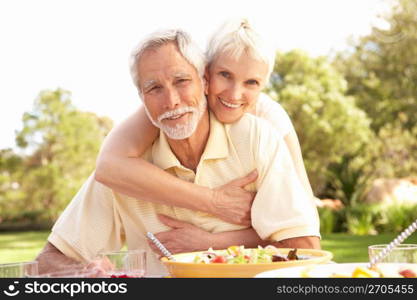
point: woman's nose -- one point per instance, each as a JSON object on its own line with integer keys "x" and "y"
{"x": 235, "y": 93}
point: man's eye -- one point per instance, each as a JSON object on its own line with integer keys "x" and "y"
{"x": 154, "y": 88}
{"x": 183, "y": 80}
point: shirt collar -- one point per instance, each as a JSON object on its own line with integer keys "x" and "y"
{"x": 218, "y": 142}
{"x": 216, "y": 148}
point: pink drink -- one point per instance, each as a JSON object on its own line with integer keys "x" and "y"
{"x": 130, "y": 274}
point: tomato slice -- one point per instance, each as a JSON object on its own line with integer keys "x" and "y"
{"x": 219, "y": 259}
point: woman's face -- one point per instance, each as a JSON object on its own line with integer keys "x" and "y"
{"x": 234, "y": 85}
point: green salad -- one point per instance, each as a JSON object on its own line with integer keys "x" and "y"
{"x": 240, "y": 255}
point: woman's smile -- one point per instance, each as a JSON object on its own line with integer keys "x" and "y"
{"x": 229, "y": 104}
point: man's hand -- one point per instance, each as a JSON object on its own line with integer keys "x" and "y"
{"x": 232, "y": 203}
{"x": 99, "y": 267}
{"x": 302, "y": 242}
{"x": 50, "y": 259}
{"x": 183, "y": 237}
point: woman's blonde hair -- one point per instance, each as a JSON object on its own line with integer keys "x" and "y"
{"x": 236, "y": 37}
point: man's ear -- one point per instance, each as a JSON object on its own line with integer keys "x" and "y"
{"x": 206, "y": 80}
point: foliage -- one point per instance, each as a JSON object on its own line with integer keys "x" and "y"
{"x": 10, "y": 172}
{"x": 331, "y": 220}
{"x": 350, "y": 178}
{"x": 327, "y": 121}
{"x": 397, "y": 217}
{"x": 394, "y": 153}
{"x": 382, "y": 70}
{"x": 61, "y": 144}
{"x": 362, "y": 219}
{"x": 368, "y": 219}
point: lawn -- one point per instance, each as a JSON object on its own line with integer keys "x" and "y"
{"x": 23, "y": 246}
{"x": 353, "y": 248}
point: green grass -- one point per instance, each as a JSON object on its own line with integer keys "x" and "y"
{"x": 21, "y": 246}
{"x": 354, "y": 248}
{"x": 24, "y": 246}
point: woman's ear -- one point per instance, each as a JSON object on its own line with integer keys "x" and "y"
{"x": 206, "y": 80}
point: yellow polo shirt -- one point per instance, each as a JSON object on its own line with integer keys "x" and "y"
{"x": 99, "y": 219}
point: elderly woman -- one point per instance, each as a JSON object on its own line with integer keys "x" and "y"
{"x": 239, "y": 66}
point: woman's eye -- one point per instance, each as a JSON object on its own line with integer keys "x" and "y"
{"x": 252, "y": 82}
{"x": 225, "y": 74}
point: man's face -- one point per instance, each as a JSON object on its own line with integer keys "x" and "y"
{"x": 172, "y": 91}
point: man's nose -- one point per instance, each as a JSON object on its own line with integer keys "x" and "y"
{"x": 172, "y": 98}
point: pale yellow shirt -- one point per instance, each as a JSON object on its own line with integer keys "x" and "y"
{"x": 274, "y": 113}
{"x": 99, "y": 219}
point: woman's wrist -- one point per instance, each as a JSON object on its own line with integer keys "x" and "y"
{"x": 205, "y": 199}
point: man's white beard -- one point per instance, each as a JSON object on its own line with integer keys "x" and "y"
{"x": 180, "y": 131}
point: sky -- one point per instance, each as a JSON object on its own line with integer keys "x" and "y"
{"x": 83, "y": 46}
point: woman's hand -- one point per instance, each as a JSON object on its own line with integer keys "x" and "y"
{"x": 183, "y": 237}
{"x": 232, "y": 203}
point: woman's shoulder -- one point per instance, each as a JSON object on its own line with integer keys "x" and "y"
{"x": 266, "y": 105}
{"x": 271, "y": 111}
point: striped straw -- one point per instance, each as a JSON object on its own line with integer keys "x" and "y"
{"x": 160, "y": 246}
{"x": 398, "y": 240}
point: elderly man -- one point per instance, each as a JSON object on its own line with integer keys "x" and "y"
{"x": 194, "y": 146}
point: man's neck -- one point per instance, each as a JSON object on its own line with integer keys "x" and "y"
{"x": 189, "y": 150}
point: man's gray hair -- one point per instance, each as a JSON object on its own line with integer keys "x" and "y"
{"x": 237, "y": 36}
{"x": 188, "y": 49}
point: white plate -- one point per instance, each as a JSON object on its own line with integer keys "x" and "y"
{"x": 327, "y": 270}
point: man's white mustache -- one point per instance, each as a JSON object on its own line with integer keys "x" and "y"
{"x": 176, "y": 112}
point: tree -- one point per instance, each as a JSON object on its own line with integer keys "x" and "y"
{"x": 327, "y": 121}
{"x": 381, "y": 74}
{"x": 63, "y": 143}
{"x": 11, "y": 195}
{"x": 394, "y": 154}
{"x": 382, "y": 70}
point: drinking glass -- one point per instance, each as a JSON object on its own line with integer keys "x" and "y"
{"x": 86, "y": 273}
{"x": 403, "y": 253}
{"x": 124, "y": 264}
{"x": 72, "y": 271}
{"x": 19, "y": 269}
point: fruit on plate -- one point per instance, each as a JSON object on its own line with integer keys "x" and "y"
{"x": 408, "y": 273}
{"x": 361, "y": 272}
{"x": 390, "y": 270}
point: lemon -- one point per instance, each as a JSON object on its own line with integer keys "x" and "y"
{"x": 362, "y": 272}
